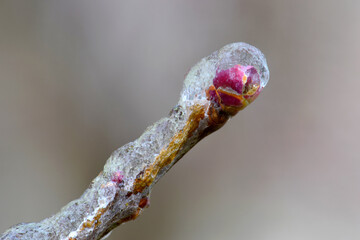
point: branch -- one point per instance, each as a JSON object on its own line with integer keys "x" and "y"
{"x": 215, "y": 89}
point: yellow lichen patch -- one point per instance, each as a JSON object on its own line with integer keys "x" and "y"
{"x": 98, "y": 215}
{"x": 167, "y": 155}
{"x": 95, "y": 221}
{"x": 86, "y": 224}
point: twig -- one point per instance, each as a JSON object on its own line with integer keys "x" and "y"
{"x": 215, "y": 89}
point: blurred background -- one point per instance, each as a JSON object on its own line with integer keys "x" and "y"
{"x": 78, "y": 79}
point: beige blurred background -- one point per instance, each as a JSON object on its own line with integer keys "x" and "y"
{"x": 79, "y": 79}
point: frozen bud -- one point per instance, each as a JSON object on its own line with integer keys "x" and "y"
{"x": 235, "y": 88}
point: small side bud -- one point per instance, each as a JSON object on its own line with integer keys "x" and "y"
{"x": 117, "y": 177}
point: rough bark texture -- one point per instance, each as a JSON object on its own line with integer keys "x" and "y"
{"x": 121, "y": 191}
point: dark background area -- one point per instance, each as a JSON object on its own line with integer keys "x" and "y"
{"x": 79, "y": 79}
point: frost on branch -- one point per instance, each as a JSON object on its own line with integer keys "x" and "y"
{"x": 215, "y": 89}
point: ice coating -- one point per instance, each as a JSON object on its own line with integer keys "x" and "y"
{"x": 201, "y": 76}
{"x": 245, "y": 55}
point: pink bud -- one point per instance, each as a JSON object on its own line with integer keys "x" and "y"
{"x": 117, "y": 177}
{"x": 235, "y": 87}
